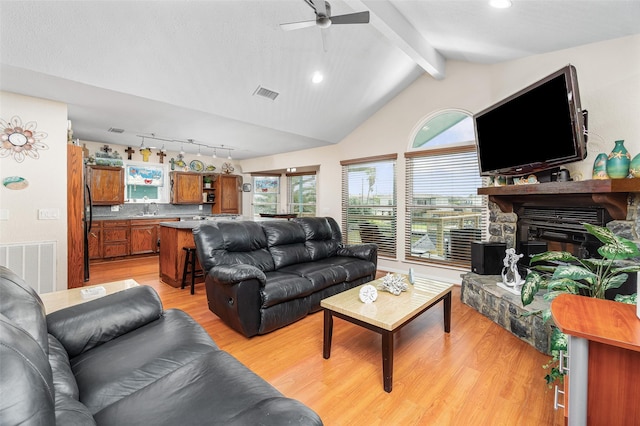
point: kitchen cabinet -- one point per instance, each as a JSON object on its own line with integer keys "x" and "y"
{"x": 106, "y": 184}
{"x": 115, "y": 238}
{"x": 144, "y": 235}
{"x": 209, "y": 190}
{"x": 94, "y": 238}
{"x": 602, "y": 383}
{"x": 186, "y": 188}
{"x": 228, "y": 195}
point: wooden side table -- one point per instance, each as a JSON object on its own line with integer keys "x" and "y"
{"x": 57, "y": 300}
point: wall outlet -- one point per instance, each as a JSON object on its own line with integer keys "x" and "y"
{"x": 115, "y": 208}
{"x": 200, "y": 207}
{"x": 48, "y": 214}
{"x": 4, "y": 214}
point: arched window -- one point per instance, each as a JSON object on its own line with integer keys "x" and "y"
{"x": 444, "y": 213}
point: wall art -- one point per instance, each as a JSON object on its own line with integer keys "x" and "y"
{"x": 15, "y": 182}
{"x": 20, "y": 141}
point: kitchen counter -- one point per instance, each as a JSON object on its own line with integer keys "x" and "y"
{"x": 173, "y": 237}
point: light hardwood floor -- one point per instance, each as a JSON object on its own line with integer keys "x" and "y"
{"x": 479, "y": 374}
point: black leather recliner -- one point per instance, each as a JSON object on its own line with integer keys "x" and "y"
{"x": 260, "y": 276}
{"x": 123, "y": 360}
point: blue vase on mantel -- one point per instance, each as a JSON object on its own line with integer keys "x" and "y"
{"x": 618, "y": 161}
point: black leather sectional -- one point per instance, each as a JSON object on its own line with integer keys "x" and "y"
{"x": 123, "y": 360}
{"x": 261, "y": 276}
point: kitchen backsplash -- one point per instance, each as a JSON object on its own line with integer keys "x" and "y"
{"x": 137, "y": 209}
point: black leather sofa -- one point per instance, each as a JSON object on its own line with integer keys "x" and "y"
{"x": 123, "y": 360}
{"x": 260, "y": 276}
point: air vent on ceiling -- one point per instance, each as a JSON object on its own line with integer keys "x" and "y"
{"x": 266, "y": 93}
{"x": 116, "y": 130}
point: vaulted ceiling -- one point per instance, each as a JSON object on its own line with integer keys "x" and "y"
{"x": 188, "y": 73}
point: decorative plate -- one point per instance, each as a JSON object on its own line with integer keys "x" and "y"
{"x": 196, "y": 166}
{"x": 210, "y": 168}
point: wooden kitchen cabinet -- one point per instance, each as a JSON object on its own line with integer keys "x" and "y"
{"x": 145, "y": 235}
{"x": 95, "y": 240}
{"x": 115, "y": 238}
{"x": 228, "y": 195}
{"x": 186, "y": 188}
{"x": 106, "y": 184}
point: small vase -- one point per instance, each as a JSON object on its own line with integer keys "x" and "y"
{"x": 600, "y": 167}
{"x": 634, "y": 167}
{"x": 618, "y": 161}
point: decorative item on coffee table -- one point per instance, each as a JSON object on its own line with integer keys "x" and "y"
{"x": 394, "y": 284}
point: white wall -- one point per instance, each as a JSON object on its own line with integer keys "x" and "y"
{"x": 609, "y": 83}
{"x": 47, "y": 177}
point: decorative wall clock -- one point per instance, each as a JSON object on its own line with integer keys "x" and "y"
{"x": 21, "y": 141}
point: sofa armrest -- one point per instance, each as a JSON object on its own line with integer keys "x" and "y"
{"x": 367, "y": 251}
{"x": 233, "y": 274}
{"x": 90, "y": 324}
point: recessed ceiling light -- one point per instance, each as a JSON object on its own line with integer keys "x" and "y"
{"x": 317, "y": 77}
{"x": 500, "y": 4}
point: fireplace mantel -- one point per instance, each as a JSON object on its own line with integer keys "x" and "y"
{"x": 612, "y": 194}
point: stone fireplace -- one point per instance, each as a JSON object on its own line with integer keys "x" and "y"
{"x": 553, "y": 213}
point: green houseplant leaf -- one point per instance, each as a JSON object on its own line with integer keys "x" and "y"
{"x": 560, "y": 272}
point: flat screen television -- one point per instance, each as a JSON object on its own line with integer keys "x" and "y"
{"x": 536, "y": 129}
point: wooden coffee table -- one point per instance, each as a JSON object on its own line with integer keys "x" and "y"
{"x": 388, "y": 314}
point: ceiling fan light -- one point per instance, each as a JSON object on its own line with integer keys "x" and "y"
{"x": 317, "y": 77}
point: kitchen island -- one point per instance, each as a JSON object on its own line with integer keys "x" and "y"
{"x": 173, "y": 237}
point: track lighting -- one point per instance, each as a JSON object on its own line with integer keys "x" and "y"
{"x": 214, "y": 153}
{"x": 229, "y": 156}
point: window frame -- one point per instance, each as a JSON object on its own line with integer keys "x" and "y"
{"x": 380, "y": 225}
{"x": 293, "y": 207}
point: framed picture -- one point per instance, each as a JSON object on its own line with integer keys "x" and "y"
{"x": 145, "y": 175}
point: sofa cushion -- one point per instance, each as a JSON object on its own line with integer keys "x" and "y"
{"x": 322, "y": 273}
{"x": 63, "y": 381}
{"x": 286, "y": 242}
{"x": 26, "y": 384}
{"x": 230, "y": 243}
{"x": 322, "y": 234}
{"x": 71, "y": 412}
{"x": 282, "y": 286}
{"x": 22, "y": 305}
{"x": 214, "y": 388}
{"x": 127, "y": 364}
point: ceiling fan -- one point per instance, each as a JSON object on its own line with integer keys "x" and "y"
{"x": 324, "y": 19}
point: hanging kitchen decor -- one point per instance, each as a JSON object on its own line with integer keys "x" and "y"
{"x": 20, "y": 141}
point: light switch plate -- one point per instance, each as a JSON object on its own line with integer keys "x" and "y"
{"x": 115, "y": 208}
{"x": 48, "y": 214}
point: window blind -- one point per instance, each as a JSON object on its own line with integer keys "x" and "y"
{"x": 444, "y": 214}
{"x": 369, "y": 211}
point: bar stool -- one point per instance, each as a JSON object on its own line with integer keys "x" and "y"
{"x": 190, "y": 268}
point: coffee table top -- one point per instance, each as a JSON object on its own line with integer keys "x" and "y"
{"x": 388, "y": 311}
{"x": 57, "y": 300}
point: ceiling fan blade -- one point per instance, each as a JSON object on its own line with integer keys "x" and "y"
{"x": 320, "y": 7}
{"x": 351, "y": 18}
{"x": 297, "y": 25}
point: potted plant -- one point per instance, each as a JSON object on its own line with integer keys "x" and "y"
{"x": 207, "y": 181}
{"x": 562, "y": 272}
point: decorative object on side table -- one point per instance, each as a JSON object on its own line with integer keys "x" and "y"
{"x": 368, "y": 294}
{"x": 618, "y": 161}
{"x": 600, "y": 167}
{"x": 561, "y": 272}
{"x": 394, "y": 284}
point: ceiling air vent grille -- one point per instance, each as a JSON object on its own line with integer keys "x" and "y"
{"x": 116, "y": 130}
{"x": 266, "y": 93}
